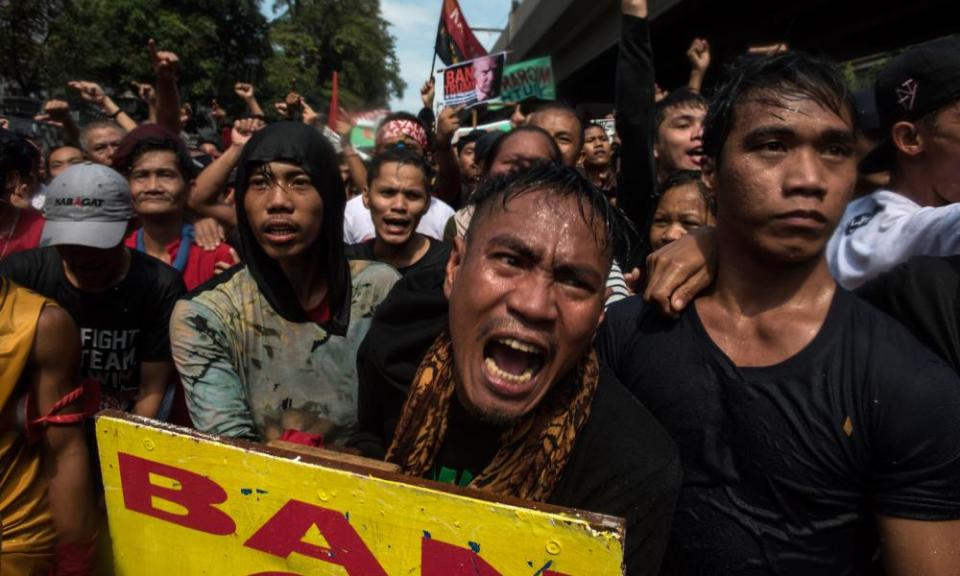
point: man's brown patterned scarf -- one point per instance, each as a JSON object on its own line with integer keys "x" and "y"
{"x": 533, "y": 451}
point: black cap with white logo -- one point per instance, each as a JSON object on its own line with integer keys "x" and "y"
{"x": 922, "y": 80}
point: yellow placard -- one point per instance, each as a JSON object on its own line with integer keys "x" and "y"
{"x": 184, "y": 503}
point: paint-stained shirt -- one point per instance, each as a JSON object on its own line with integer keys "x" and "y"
{"x": 250, "y": 373}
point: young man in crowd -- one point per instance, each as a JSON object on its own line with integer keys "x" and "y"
{"x": 597, "y": 159}
{"x": 46, "y": 495}
{"x": 398, "y": 196}
{"x": 469, "y": 166}
{"x": 99, "y": 140}
{"x": 20, "y": 227}
{"x": 398, "y": 129}
{"x": 562, "y": 123}
{"x": 918, "y": 99}
{"x": 159, "y": 171}
{"x": 509, "y": 397}
{"x": 678, "y": 129}
{"x": 808, "y": 422}
{"x": 62, "y": 157}
{"x": 121, "y": 299}
{"x": 268, "y": 349}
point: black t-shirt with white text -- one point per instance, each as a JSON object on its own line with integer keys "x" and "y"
{"x": 785, "y": 466}
{"x": 119, "y": 327}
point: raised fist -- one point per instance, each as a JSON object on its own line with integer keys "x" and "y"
{"x": 426, "y": 93}
{"x": 243, "y": 90}
{"x": 699, "y": 54}
{"x": 146, "y": 92}
{"x": 55, "y": 113}
{"x": 164, "y": 63}
{"x": 244, "y": 129}
{"x": 89, "y": 91}
{"x": 447, "y": 124}
{"x": 216, "y": 111}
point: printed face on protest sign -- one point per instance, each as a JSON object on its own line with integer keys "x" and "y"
{"x": 472, "y": 82}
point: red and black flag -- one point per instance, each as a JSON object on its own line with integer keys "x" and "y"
{"x": 455, "y": 39}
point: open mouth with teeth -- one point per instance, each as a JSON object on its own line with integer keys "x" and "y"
{"x": 511, "y": 364}
{"x": 696, "y": 154}
{"x": 395, "y": 225}
{"x": 280, "y": 232}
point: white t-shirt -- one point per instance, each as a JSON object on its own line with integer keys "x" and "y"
{"x": 883, "y": 229}
{"x": 358, "y": 224}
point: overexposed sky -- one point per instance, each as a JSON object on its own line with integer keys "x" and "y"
{"x": 414, "y": 25}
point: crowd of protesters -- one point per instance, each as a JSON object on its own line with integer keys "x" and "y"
{"x": 734, "y": 323}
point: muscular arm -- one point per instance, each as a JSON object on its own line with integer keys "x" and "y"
{"x": 155, "y": 377}
{"x": 918, "y": 548}
{"x": 56, "y": 358}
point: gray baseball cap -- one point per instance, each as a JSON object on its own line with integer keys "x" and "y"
{"x": 87, "y": 205}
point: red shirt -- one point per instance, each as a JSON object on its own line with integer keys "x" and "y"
{"x": 25, "y": 235}
{"x": 200, "y": 262}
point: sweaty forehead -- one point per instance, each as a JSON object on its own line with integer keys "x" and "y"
{"x": 400, "y": 174}
{"x": 544, "y": 220}
{"x": 776, "y": 107}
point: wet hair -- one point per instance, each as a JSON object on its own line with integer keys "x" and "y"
{"x": 494, "y": 150}
{"x": 96, "y": 125}
{"x": 681, "y": 98}
{"x": 551, "y": 179}
{"x": 152, "y": 144}
{"x": 561, "y": 107}
{"x": 679, "y": 178}
{"x": 772, "y": 78}
{"x": 402, "y": 156}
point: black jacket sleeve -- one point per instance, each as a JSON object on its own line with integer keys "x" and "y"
{"x": 634, "y": 117}
{"x": 924, "y": 295}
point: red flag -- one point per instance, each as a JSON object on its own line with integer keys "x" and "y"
{"x": 455, "y": 39}
{"x": 334, "y": 102}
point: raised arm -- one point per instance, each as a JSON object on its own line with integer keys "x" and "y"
{"x": 699, "y": 57}
{"x": 94, "y": 94}
{"x": 358, "y": 172}
{"x": 205, "y": 197}
{"x": 57, "y": 113}
{"x": 168, "y": 95}
{"x": 634, "y": 116}
{"x": 148, "y": 94}
{"x": 246, "y": 93}
{"x": 448, "y": 180}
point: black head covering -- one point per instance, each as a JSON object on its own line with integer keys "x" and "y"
{"x": 298, "y": 144}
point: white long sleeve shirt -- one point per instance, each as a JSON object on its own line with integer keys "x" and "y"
{"x": 883, "y": 229}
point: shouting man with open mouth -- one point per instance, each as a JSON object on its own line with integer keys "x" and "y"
{"x": 510, "y": 397}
